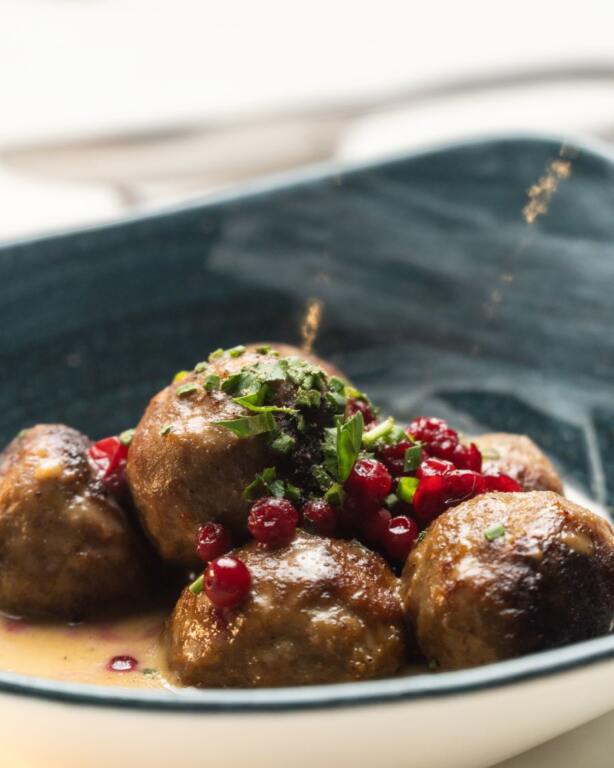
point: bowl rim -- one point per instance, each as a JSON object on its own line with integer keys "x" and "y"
{"x": 405, "y": 688}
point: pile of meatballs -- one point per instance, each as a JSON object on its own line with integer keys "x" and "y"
{"x": 315, "y": 541}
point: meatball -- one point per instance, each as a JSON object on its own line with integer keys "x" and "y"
{"x": 66, "y": 546}
{"x": 183, "y": 470}
{"x": 506, "y": 574}
{"x": 320, "y": 610}
{"x": 519, "y": 457}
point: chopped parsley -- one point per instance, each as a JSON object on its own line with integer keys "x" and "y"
{"x": 126, "y": 436}
{"x": 186, "y": 389}
{"x": 266, "y": 483}
{"x": 249, "y": 426}
{"x": 212, "y": 382}
{"x": 283, "y": 443}
{"x": 494, "y": 532}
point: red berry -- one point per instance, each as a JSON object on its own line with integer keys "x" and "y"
{"x": 425, "y": 429}
{"x": 227, "y": 581}
{"x": 500, "y": 482}
{"x": 393, "y": 457}
{"x": 321, "y": 516}
{"x": 374, "y": 527}
{"x": 467, "y": 457}
{"x": 213, "y": 541}
{"x": 429, "y": 498}
{"x": 400, "y": 538}
{"x": 354, "y": 405}
{"x": 434, "y": 468}
{"x": 122, "y": 664}
{"x": 462, "y": 484}
{"x": 369, "y": 482}
{"x": 108, "y": 458}
{"x": 272, "y": 521}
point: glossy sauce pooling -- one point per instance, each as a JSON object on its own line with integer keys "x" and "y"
{"x": 82, "y": 652}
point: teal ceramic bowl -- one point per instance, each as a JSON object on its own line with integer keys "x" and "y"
{"x": 473, "y": 282}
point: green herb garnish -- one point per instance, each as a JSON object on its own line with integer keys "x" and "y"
{"x": 391, "y": 501}
{"x": 292, "y": 492}
{"x": 337, "y": 400}
{"x": 166, "y": 429}
{"x": 186, "y": 389}
{"x": 308, "y": 398}
{"x": 126, "y": 436}
{"x": 247, "y": 402}
{"x": 260, "y": 485}
{"x": 490, "y": 454}
{"x": 149, "y": 671}
{"x": 335, "y": 495}
{"x": 406, "y": 488}
{"x": 264, "y": 349}
{"x": 322, "y": 477}
{"x": 349, "y": 442}
{"x": 237, "y": 351}
{"x": 196, "y": 587}
{"x": 421, "y": 536}
{"x": 283, "y": 443}
{"x": 212, "y": 382}
{"x": 200, "y": 367}
{"x": 217, "y": 353}
{"x": 494, "y": 532}
{"x": 413, "y": 456}
{"x": 248, "y": 426}
{"x": 379, "y": 432}
{"x": 336, "y": 384}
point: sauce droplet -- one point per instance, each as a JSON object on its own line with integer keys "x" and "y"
{"x": 122, "y": 664}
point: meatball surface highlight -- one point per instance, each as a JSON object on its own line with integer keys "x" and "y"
{"x": 506, "y": 574}
{"x": 66, "y": 546}
{"x": 320, "y": 610}
{"x": 520, "y": 458}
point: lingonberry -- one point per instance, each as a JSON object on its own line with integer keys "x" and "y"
{"x": 272, "y": 520}
{"x": 393, "y": 457}
{"x": 108, "y": 458}
{"x": 374, "y": 527}
{"x": 227, "y": 581}
{"x": 467, "y": 457}
{"x": 400, "y": 537}
{"x": 369, "y": 482}
{"x": 497, "y": 481}
{"x": 122, "y": 664}
{"x": 320, "y": 516}
{"x": 355, "y": 404}
{"x": 213, "y": 540}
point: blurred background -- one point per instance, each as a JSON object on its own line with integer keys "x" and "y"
{"x": 111, "y": 107}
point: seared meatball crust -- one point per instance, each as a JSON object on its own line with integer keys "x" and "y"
{"x": 546, "y": 582}
{"x": 320, "y": 611}
{"x": 184, "y": 471}
{"x": 66, "y": 546}
{"x": 519, "y": 457}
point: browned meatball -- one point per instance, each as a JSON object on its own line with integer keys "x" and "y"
{"x": 519, "y": 457}
{"x": 66, "y": 547}
{"x": 183, "y": 470}
{"x": 506, "y": 574}
{"x": 320, "y": 611}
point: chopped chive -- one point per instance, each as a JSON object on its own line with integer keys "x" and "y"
{"x": 217, "y": 353}
{"x": 421, "y": 536}
{"x": 196, "y": 587}
{"x": 237, "y": 351}
{"x": 166, "y": 429}
{"x": 249, "y": 426}
{"x": 377, "y": 433}
{"x": 246, "y": 402}
{"x": 200, "y": 367}
{"x": 180, "y": 376}
{"x": 413, "y": 457}
{"x": 126, "y": 436}
{"x": 211, "y": 382}
{"x": 406, "y": 488}
{"x": 283, "y": 444}
{"x": 264, "y": 349}
{"x": 186, "y": 389}
{"x": 494, "y": 532}
{"x": 335, "y": 495}
{"x": 292, "y": 492}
